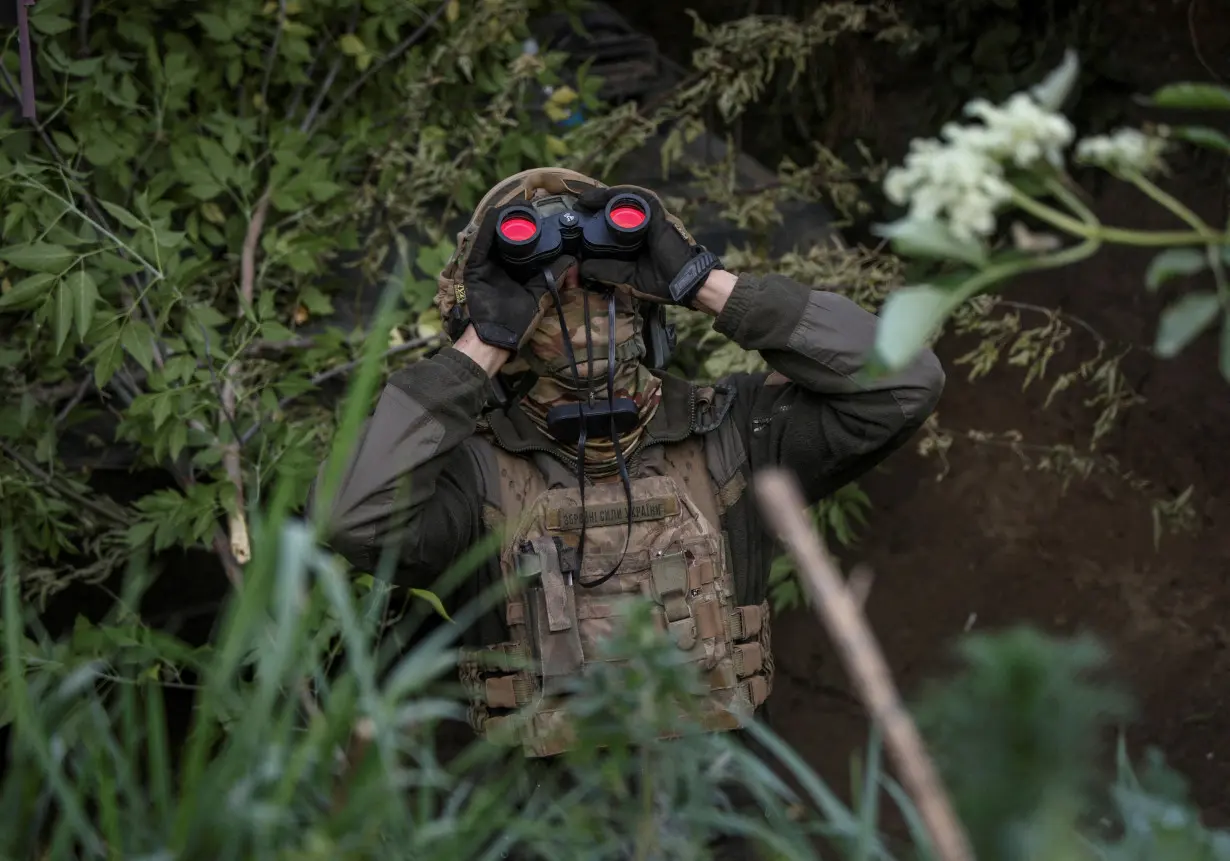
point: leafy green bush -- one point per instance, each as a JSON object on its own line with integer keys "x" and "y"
{"x": 206, "y": 180}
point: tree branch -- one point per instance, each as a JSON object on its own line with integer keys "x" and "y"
{"x": 339, "y": 370}
{"x": 272, "y": 54}
{"x": 113, "y": 516}
{"x": 783, "y": 505}
{"x": 78, "y": 395}
{"x": 402, "y": 47}
{"x": 232, "y": 460}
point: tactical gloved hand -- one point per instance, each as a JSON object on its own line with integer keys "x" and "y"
{"x": 671, "y": 267}
{"x": 503, "y": 310}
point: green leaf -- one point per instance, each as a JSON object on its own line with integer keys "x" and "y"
{"x": 352, "y": 45}
{"x": 140, "y": 533}
{"x": 39, "y": 257}
{"x": 28, "y": 291}
{"x": 180, "y": 367}
{"x": 909, "y": 318}
{"x": 434, "y": 600}
{"x": 162, "y": 409}
{"x": 122, "y": 215}
{"x": 108, "y": 356}
{"x": 272, "y": 330}
{"x": 66, "y": 143}
{"x": 206, "y": 315}
{"x": 913, "y": 238}
{"x": 139, "y": 342}
{"x": 215, "y": 27}
{"x": 50, "y": 25}
{"x": 1202, "y": 136}
{"x": 315, "y": 301}
{"x": 62, "y": 317}
{"x": 1173, "y": 262}
{"x": 1189, "y": 95}
{"x": 324, "y": 190}
{"x": 219, "y": 161}
{"x": 168, "y": 239}
{"x": 85, "y": 296}
{"x": 177, "y": 439}
{"x": 1183, "y": 321}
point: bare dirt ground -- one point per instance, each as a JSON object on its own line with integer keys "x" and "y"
{"x": 997, "y": 545}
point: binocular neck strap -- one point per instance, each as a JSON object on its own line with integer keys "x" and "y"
{"x": 619, "y": 449}
{"x": 610, "y": 390}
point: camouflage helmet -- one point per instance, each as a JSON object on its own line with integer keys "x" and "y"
{"x": 522, "y": 187}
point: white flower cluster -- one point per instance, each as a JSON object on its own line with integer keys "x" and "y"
{"x": 1125, "y": 151}
{"x": 961, "y": 179}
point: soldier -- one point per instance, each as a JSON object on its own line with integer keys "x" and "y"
{"x": 550, "y": 419}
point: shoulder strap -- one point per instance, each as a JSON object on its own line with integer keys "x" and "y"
{"x": 724, "y": 448}
{"x": 510, "y": 483}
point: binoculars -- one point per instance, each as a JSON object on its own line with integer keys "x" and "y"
{"x": 527, "y": 240}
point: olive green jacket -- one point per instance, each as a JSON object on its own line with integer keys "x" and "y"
{"x": 417, "y": 479}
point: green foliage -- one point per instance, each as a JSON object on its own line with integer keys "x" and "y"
{"x": 1016, "y": 734}
{"x": 206, "y": 181}
{"x": 314, "y": 733}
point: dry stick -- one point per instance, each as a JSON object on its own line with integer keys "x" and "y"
{"x": 783, "y": 505}
{"x": 241, "y": 544}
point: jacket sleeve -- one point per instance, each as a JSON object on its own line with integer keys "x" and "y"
{"x": 409, "y": 485}
{"x": 821, "y": 421}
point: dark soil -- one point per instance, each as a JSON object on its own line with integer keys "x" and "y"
{"x": 992, "y": 544}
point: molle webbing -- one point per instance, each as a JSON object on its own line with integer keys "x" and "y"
{"x": 677, "y": 559}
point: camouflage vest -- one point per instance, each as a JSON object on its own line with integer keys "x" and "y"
{"x": 676, "y": 558}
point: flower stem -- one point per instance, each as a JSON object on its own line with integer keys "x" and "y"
{"x": 984, "y": 279}
{"x": 1150, "y": 188}
{"x": 1219, "y": 277}
{"x": 1120, "y": 236}
{"x": 1074, "y": 203}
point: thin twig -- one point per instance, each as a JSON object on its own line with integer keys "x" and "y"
{"x": 77, "y": 397}
{"x": 400, "y": 48}
{"x": 115, "y": 517}
{"x": 83, "y": 29}
{"x": 310, "y": 120}
{"x": 1191, "y": 29}
{"x": 219, "y": 388}
{"x": 339, "y": 370}
{"x": 783, "y": 506}
{"x": 272, "y": 54}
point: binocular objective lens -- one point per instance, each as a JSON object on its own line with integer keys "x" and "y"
{"x": 627, "y": 216}
{"x": 518, "y": 228}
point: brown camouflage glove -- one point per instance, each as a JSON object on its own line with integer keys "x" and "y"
{"x": 503, "y": 310}
{"x": 671, "y": 267}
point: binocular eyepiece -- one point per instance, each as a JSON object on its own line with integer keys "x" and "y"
{"x": 527, "y": 240}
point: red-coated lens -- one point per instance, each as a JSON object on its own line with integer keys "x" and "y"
{"x": 518, "y": 229}
{"x": 627, "y": 217}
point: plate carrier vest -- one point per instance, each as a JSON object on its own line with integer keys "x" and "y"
{"x": 676, "y": 557}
